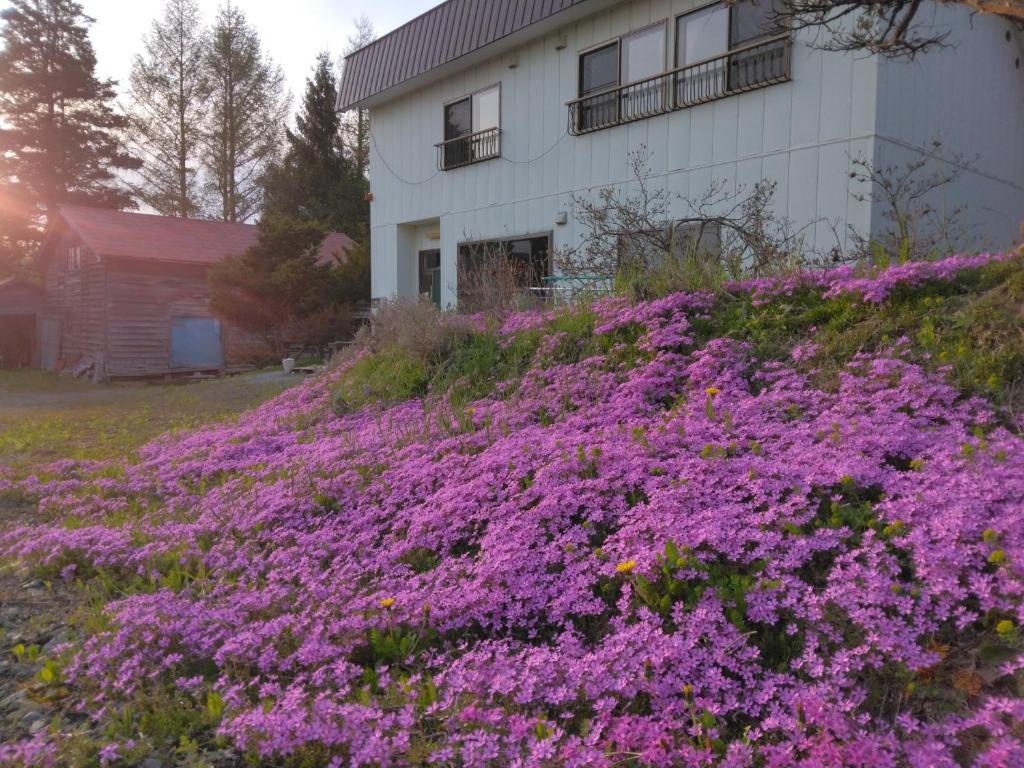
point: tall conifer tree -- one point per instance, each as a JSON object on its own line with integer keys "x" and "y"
{"x": 316, "y": 181}
{"x": 60, "y": 137}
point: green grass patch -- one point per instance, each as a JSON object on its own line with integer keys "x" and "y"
{"x": 45, "y": 417}
{"x": 390, "y": 376}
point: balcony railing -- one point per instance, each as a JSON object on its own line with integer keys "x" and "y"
{"x": 753, "y": 66}
{"x": 469, "y": 149}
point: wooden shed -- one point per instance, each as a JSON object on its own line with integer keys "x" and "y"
{"x": 21, "y": 307}
{"x": 126, "y": 294}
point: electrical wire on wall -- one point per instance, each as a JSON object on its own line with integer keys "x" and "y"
{"x": 407, "y": 182}
{"x": 398, "y": 177}
{"x": 541, "y": 156}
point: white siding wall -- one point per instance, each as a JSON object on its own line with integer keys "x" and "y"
{"x": 801, "y": 134}
{"x": 970, "y": 97}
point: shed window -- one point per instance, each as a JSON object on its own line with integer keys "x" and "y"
{"x": 74, "y": 258}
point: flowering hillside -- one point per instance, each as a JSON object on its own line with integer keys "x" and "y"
{"x": 761, "y": 529}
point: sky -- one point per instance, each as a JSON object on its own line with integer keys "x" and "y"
{"x": 293, "y": 31}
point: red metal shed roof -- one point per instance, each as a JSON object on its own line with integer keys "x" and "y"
{"x": 165, "y": 238}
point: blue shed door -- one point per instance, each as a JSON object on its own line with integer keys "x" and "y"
{"x": 195, "y": 343}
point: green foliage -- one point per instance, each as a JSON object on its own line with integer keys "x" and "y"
{"x": 685, "y": 578}
{"x": 353, "y": 273}
{"x": 317, "y": 180}
{"x": 480, "y": 361}
{"x": 396, "y": 646}
{"x": 387, "y": 377}
{"x": 420, "y": 559}
{"x": 61, "y": 131}
{"x": 278, "y": 290}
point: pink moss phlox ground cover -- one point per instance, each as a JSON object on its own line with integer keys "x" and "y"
{"x": 873, "y": 288}
{"x": 689, "y": 559}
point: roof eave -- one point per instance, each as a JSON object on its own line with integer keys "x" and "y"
{"x": 501, "y": 46}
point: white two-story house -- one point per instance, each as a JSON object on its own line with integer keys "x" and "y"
{"x": 489, "y": 116}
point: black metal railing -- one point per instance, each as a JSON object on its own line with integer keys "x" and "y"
{"x": 747, "y": 68}
{"x": 469, "y": 149}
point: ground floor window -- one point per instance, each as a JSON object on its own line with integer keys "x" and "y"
{"x": 495, "y": 273}
{"x": 650, "y": 250}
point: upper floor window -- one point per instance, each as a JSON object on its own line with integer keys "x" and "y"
{"x": 719, "y": 50}
{"x": 753, "y": 20}
{"x": 629, "y": 62}
{"x": 472, "y": 129}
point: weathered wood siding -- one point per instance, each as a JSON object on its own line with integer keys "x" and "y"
{"x": 75, "y": 298}
{"x": 20, "y": 299}
{"x": 21, "y": 305}
{"x": 142, "y": 297}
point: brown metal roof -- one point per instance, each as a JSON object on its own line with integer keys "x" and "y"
{"x": 441, "y": 35}
{"x": 163, "y": 238}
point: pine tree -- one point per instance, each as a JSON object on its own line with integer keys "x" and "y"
{"x": 279, "y": 290}
{"x": 315, "y": 181}
{"x": 248, "y": 108}
{"x": 16, "y": 233}
{"x": 61, "y": 139}
{"x": 168, "y": 94}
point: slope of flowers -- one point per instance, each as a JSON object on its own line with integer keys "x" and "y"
{"x": 667, "y": 553}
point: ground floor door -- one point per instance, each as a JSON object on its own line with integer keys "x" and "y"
{"x": 49, "y": 343}
{"x": 17, "y": 341}
{"x": 196, "y": 344}
{"x": 430, "y": 275}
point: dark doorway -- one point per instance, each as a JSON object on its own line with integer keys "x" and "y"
{"x": 17, "y": 341}
{"x": 430, "y": 276}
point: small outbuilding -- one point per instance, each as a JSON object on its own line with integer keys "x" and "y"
{"x": 21, "y": 306}
{"x": 126, "y": 294}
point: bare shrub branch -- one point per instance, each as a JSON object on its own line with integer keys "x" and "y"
{"x": 631, "y": 238}
{"x": 916, "y": 227}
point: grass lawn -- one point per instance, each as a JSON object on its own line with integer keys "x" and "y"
{"x": 45, "y": 417}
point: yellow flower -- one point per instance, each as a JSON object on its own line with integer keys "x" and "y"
{"x": 626, "y": 567}
{"x": 998, "y": 557}
{"x": 387, "y": 602}
{"x": 1005, "y": 627}
{"x": 712, "y": 391}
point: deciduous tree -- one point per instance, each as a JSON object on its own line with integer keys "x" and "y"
{"x": 357, "y": 124}
{"x": 248, "y": 108}
{"x": 169, "y": 87}
{"x": 892, "y": 28}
